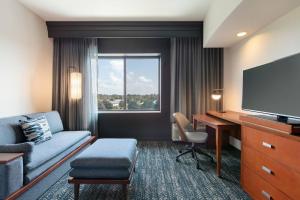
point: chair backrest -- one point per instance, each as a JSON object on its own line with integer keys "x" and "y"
{"x": 182, "y": 122}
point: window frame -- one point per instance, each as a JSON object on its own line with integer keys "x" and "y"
{"x": 124, "y": 57}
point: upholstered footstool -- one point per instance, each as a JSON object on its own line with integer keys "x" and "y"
{"x": 107, "y": 161}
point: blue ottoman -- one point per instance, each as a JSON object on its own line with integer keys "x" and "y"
{"x": 107, "y": 161}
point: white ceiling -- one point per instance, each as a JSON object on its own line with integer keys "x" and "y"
{"x": 249, "y": 16}
{"x": 119, "y": 10}
{"x": 240, "y": 15}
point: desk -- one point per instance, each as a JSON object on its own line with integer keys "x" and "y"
{"x": 219, "y": 125}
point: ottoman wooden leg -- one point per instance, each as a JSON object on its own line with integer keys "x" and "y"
{"x": 125, "y": 191}
{"x": 76, "y": 191}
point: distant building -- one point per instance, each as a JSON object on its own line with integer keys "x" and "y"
{"x": 116, "y": 102}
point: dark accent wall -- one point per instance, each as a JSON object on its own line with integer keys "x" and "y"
{"x": 123, "y": 29}
{"x": 142, "y": 126}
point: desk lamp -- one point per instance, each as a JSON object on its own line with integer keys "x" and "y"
{"x": 217, "y": 96}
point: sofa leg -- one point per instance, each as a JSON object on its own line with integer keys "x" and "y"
{"x": 76, "y": 191}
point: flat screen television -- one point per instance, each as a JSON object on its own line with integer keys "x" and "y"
{"x": 274, "y": 88}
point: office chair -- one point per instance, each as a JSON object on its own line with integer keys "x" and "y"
{"x": 187, "y": 134}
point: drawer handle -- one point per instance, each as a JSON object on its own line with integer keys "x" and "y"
{"x": 267, "y": 145}
{"x": 264, "y": 168}
{"x": 266, "y": 195}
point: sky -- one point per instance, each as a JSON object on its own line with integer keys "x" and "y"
{"x": 142, "y": 76}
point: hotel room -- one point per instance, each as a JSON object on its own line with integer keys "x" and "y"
{"x": 149, "y": 100}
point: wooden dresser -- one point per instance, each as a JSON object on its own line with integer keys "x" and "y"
{"x": 270, "y": 156}
{"x": 270, "y": 160}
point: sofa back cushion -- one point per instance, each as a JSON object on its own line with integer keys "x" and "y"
{"x": 53, "y": 119}
{"x": 11, "y": 133}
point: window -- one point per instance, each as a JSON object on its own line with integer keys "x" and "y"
{"x": 129, "y": 82}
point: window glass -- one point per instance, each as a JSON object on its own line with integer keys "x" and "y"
{"x": 139, "y": 90}
{"x": 142, "y": 85}
{"x": 111, "y": 84}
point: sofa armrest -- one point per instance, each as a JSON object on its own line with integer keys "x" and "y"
{"x": 11, "y": 173}
{"x": 26, "y": 148}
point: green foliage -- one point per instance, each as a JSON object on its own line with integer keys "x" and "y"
{"x": 134, "y": 102}
{"x": 106, "y": 105}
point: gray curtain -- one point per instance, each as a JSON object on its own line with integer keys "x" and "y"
{"x": 195, "y": 72}
{"x": 80, "y": 55}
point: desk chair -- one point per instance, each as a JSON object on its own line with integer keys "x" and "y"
{"x": 187, "y": 134}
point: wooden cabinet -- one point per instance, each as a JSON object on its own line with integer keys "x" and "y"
{"x": 270, "y": 164}
{"x": 270, "y": 161}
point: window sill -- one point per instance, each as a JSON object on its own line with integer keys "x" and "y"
{"x": 127, "y": 112}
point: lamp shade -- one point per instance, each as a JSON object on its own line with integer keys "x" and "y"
{"x": 76, "y": 85}
{"x": 216, "y": 97}
{"x": 216, "y": 94}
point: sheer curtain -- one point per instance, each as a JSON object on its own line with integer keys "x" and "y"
{"x": 195, "y": 72}
{"x": 80, "y": 55}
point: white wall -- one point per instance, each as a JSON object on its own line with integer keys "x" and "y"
{"x": 279, "y": 39}
{"x": 25, "y": 61}
{"x": 215, "y": 16}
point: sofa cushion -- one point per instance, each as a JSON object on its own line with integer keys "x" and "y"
{"x": 36, "y": 129}
{"x": 30, "y": 175}
{"x": 53, "y": 119}
{"x": 47, "y": 150}
{"x": 26, "y": 148}
{"x": 107, "y": 153}
{"x": 105, "y": 173}
{"x": 10, "y": 131}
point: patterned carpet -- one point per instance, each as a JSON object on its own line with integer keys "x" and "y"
{"x": 159, "y": 177}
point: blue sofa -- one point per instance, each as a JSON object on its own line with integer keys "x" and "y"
{"x": 39, "y": 158}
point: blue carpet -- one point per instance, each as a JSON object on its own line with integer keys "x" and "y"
{"x": 159, "y": 176}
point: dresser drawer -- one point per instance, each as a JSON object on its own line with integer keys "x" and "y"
{"x": 279, "y": 148}
{"x": 258, "y": 188}
{"x": 280, "y": 176}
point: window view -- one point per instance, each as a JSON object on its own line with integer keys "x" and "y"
{"x": 138, "y": 90}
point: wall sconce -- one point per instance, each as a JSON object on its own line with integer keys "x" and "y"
{"x": 76, "y": 85}
{"x": 216, "y": 96}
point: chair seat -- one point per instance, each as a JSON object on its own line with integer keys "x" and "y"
{"x": 196, "y": 137}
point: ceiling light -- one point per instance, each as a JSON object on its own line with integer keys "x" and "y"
{"x": 241, "y": 34}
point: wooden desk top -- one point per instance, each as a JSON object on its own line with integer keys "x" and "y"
{"x": 7, "y": 157}
{"x": 245, "y": 119}
{"x": 235, "y": 117}
{"x": 212, "y": 121}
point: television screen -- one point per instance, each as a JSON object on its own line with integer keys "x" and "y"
{"x": 273, "y": 88}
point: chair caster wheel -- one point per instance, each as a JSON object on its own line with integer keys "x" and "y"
{"x": 180, "y": 151}
{"x": 177, "y": 160}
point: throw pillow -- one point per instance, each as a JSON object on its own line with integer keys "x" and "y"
{"x": 36, "y": 129}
